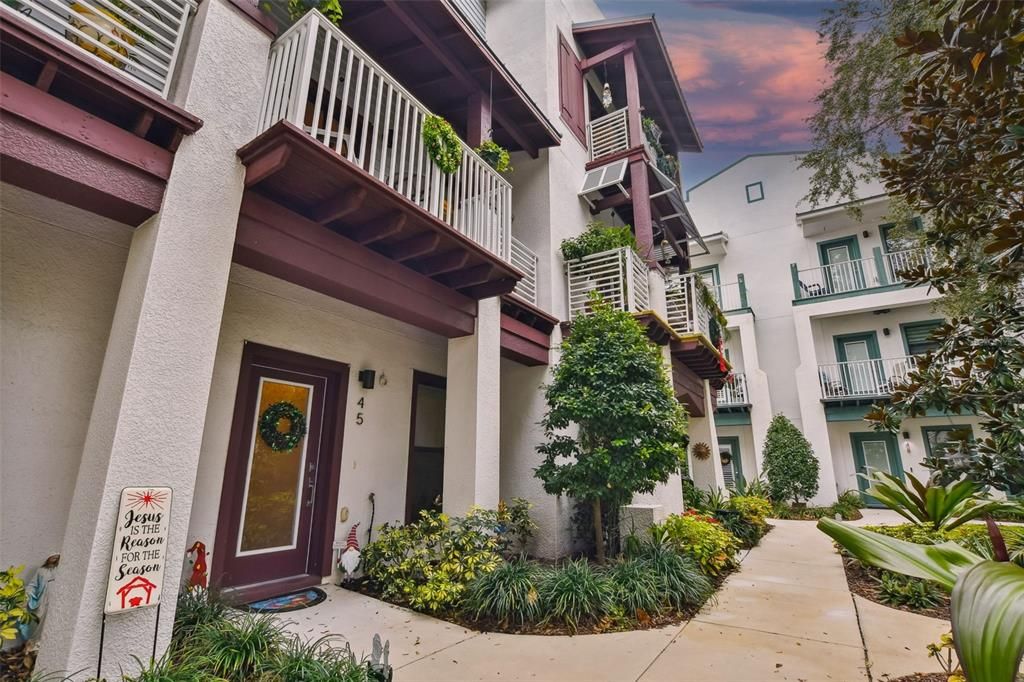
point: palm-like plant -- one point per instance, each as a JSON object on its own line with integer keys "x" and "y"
{"x": 987, "y": 601}
{"x": 942, "y": 507}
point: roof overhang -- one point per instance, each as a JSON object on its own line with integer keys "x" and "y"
{"x": 439, "y": 58}
{"x": 838, "y": 216}
{"x": 659, "y": 86}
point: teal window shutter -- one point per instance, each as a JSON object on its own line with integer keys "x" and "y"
{"x": 918, "y": 337}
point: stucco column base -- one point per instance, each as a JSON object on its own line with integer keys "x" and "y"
{"x": 472, "y": 429}
{"x": 757, "y": 388}
{"x": 147, "y": 418}
{"x": 812, "y": 413}
{"x": 706, "y": 474}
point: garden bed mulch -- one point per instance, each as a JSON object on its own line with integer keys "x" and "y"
{"x": 862, "y": 583}
{"x": 920, "y": 677}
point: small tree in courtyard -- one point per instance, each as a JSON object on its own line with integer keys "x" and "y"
{"x": 789, "y": 462}
{"x": 630, "y": 434}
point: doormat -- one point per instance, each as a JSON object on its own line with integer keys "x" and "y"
{"x": 293, "y": 601}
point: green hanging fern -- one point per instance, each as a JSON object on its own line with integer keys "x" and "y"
{"x": 495, "y": 155}
{"x": 442, "y": 144}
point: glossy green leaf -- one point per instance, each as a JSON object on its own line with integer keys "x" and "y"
{"x": 988, "y": 621}
{"x": 942, "y": 563}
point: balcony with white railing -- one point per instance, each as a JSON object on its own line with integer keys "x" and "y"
{"x": 526, "y": 261}
{"x": 320, "y": 81}
{"x": 619, "y": 276}
{"x": 688, "y": 312}
{"x": 862, "y": 275}
{"x": 861, "y": 380}
{"x": 140, "y": 39}
{"x": 734, "y": 392}
{"x": 731, "y": 295}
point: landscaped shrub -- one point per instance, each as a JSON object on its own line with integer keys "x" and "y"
{"x": 237, "y": 649}
{"x": 932, "y": 504}
{"x": 900, "y": 590}
{"x": 575, "y": 592}
{"x": 789, "y": 462}
{"x": 637, "y": 587}
{"x": 14, "y": 612}
{"x": 847, "y": 507}
{"x": 196, "y": 607}
{"x": 753, "y": 509}
{"x": 427, "y": 564}
{"x": 680, "y": 580}
{"x": 508, "y": 594}
{"x": 704, "y": 539}
{"x": 598, "y": 238}
{"x": 319, "y": 660}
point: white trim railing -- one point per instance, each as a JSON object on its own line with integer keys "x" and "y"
{"x": 838, "y": 278}
{"x": 863, "y": 378}
{"x": 526, "y": 261}
{"x": 140, "y": 38}
{"x": 734, "y": 392}
{"x": 619, "y": 276}
{"x": 898, "y": 262}
{"x": 730, "y": 296}
{"x": 319, "y": 80}
{"x": 608, "y": 134}
{"x": 686, "y": 308}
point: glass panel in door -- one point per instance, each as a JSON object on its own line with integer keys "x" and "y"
{"x": 841, "y": 276}
{"x": 273, "y": 490}
{"x": 873, "y": 454}
{"x": 859, "y": 374}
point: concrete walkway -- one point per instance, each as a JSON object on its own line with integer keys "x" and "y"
{"x": 786, "y": 615}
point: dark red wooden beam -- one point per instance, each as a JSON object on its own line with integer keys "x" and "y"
{"x": 281, "y": 243}
{"x": 55, "y": 149}
{"x": 522, "y": 343}
{"x": 605, "y": 55}
{"x": 376, "y": 231}
{"x": 339, "y": 207}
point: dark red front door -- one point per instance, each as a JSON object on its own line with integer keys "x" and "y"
{"x": 277, "y": 502}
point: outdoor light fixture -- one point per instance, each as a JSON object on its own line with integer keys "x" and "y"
{"x": 885, "y": 331}
{"x": 866, "y": 234}
{"x": 906, "y": 435}
{"x": 366, "y": 377}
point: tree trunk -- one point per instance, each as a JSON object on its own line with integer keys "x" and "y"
{"x": 598, "y": 531}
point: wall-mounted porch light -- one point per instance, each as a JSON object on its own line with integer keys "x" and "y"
{"x": 366, "y": 378}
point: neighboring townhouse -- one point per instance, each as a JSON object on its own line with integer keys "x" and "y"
{"x": 821, "y": 323}
{"x": 216, "y": 230}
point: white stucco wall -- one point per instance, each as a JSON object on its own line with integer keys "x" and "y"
{"x": 60, "y": 272}
{"x": 374, "y": 457}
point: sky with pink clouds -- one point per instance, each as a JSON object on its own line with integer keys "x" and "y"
{"x": 749, "y": 70}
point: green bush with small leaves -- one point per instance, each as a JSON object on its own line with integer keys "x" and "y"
{"x": 597, "y": 239}
{"x": 428, "y": 564}
{"x": 703, "y": 539}
{"x": 900, "y": 590}
{"x": 789, "y": 462}
{"x": 14, "y": 611}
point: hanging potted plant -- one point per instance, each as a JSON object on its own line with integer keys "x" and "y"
{"x": 331, "y": 9}
{"x": 494, "y": 155}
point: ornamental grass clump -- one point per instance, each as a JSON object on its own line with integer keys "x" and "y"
{"x": 508, "y": 594}
{"x": 704, "y": 540}
{"x": 575, "y": 592}
{"x": 680, "y": 580}
{"x": 637, "y": 587}
{"x": 238, "y": 648}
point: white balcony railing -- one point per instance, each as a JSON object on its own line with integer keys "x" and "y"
{"x": 619, "y": 276}
{"x": 687, "y": 311}
{"x": 525, "y": 260}
{"x": 734, "y": 392}
{"x": 140, "y": 38}
{"x": 856, "y": 275}
{"x": 898, "y": 262}
{"x": 730, "y": 296}
{"x": 319, "y": 80}
{"x": 863, "y": 378}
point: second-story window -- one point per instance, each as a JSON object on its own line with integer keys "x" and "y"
{"x": 570, "y": 90}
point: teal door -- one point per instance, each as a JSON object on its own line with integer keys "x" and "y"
{"x": 732, "y": 462}
{"x": 840, "y": 260}
{"x": 875, "y": 452}
{"x": 860, "y": 370}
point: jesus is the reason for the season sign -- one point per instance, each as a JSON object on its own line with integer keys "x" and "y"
{"x": 140, "y": 549}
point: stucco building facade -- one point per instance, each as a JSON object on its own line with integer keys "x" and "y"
{"x": 209, "y": 211}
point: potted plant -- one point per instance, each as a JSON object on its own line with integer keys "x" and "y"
{"x": 494, "y": 155}
{"x": 108, "y": 28}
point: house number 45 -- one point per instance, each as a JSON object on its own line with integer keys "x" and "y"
{"x": 359, "y": 415}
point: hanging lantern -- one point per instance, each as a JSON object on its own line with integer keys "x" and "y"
{"x": 606, "y": 97}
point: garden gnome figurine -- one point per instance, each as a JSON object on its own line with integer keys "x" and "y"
{"x": 198, "y": 577}
{"x": 348, "y": 562}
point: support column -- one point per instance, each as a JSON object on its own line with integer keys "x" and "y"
{"x": 640, "y": 195}
{"x": 812, "y": 414}
{"x": 150, "y": 404}
{"x": 708, "y": 473}
{"x": 472, "y": 425}
{"x": 478, "y": 119}
{"x": 757, "y": 388}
